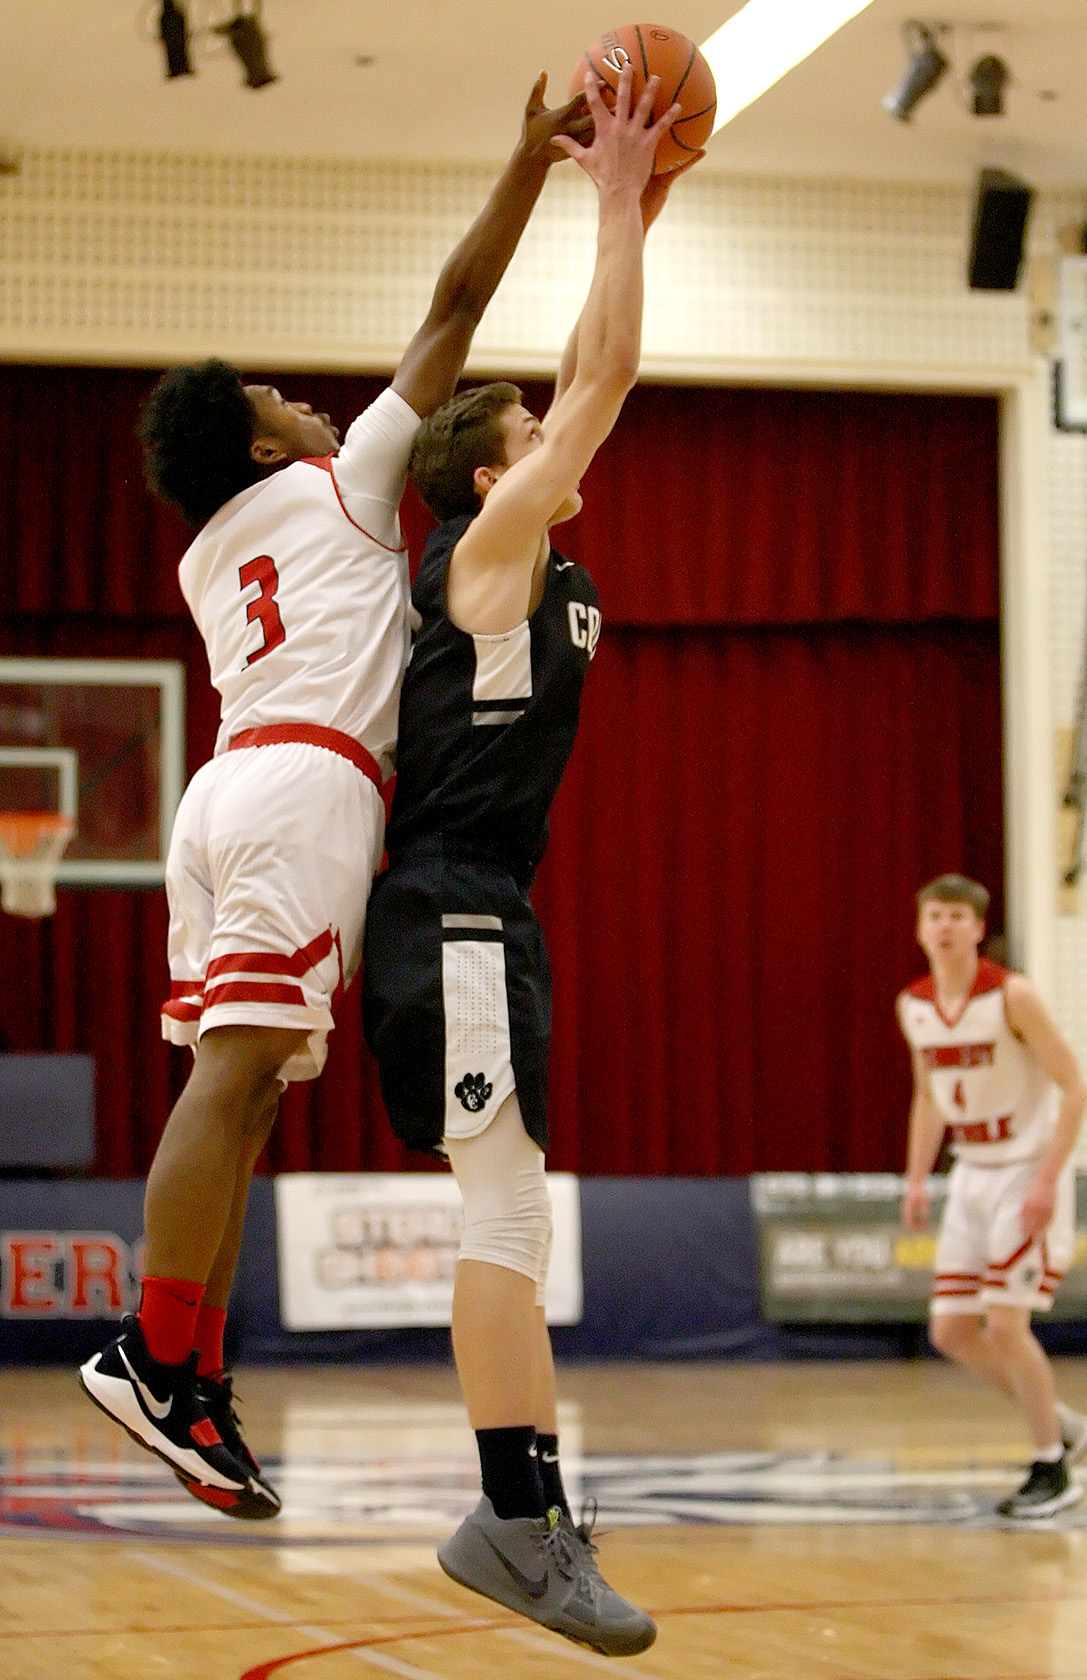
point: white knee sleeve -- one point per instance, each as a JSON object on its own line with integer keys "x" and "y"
{"x": 507, "y": 1208}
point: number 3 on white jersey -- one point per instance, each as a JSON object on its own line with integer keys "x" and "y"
{"x": 262, "y": 570}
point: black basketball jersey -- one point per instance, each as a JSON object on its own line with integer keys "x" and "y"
{"x": 487, "y": 723}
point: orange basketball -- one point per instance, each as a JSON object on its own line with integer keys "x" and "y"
{"x": 685, "y": 78}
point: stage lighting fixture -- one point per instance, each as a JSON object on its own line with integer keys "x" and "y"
{"x": 988, "y": 79}
{"x": 174, "y": 34}
{"x": 246, "y": 37}
{"x": 925, "y": 67}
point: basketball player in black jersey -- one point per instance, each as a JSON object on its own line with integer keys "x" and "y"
{"x": 457, "y": 984}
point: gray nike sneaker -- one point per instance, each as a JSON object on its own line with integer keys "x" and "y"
{"x": 540, "y": 1567}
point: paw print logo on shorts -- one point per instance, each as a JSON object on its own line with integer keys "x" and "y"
{"x": 473, "y": 1091}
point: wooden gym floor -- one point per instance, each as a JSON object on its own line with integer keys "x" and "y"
{"x": 782, "y": 1522}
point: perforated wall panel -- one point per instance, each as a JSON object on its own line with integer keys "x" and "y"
{"x": 138, "y": 256}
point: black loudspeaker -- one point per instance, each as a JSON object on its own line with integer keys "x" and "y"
{"x": 1000, "y": 220}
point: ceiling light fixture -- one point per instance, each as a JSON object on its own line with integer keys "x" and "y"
{"x": 988, "y": 79}
{"x": 246, "y": 38}
{"x": 925, "y": 67}
{"x": 766, "y": 39}
{"x": 174, "y": 35}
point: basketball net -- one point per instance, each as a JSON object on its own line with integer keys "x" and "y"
{"x": 31, "y": 843}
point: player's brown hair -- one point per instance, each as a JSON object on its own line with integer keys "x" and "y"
{"x": 465, "y": 433}
{"x": 956, "y": 889}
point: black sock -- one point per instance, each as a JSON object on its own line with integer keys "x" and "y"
{"x": 547, "y": 1449}
{"x": 511, "y": 1477}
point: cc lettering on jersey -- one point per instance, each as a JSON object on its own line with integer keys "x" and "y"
{"x": 584, "y": 625}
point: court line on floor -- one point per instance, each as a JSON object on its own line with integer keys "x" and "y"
{"x": 378, "y": 1659}
{"x": 357, "y": 1648}
{"x": 119, "y": 1632}
{"x": 784, "y": 1606}
{"x": 554, "y": 1646}
{"x": 929, "y": 1601}
{"x": 440, "y": 1609}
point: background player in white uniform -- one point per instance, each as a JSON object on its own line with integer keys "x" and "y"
{"x": 992, "y": 1069}
{"x": 299, "y": 586}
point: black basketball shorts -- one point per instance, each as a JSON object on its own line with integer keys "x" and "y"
{"x": 456, "y": 998}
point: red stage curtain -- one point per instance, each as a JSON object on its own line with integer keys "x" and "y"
{"x": 793, "y": 507}
{"x": 729, "y": 886}
{"x": 793, "y": 719}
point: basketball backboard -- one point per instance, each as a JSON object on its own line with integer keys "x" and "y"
{"x": 101, "y": 741}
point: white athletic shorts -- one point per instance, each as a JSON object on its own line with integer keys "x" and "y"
{"x": 270, "y": 864}
{"x": 983, "y": 1258}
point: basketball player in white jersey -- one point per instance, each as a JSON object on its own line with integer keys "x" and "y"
{"x": 299, "y": 585}
{"x": 992, "y": 1071}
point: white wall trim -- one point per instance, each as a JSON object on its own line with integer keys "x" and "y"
{"x": 1029, "y": 799}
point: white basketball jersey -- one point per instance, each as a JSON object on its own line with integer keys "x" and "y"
{"x": 299, "y": 587}
{"x": 999, "y": 1103}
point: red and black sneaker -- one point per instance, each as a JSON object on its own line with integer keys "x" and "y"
{"x": 162, "y": 1411}
{"x": 260, "y": 1500}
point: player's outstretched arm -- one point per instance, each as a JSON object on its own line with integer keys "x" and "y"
{"x": 654, "y": 198}
{"x": 620, "y": 164}
{"x": 433, "y": 361}
{"x": 491, "y": 571}
{"x": 1031, "y": 1022}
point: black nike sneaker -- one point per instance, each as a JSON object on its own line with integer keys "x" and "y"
{"x": 259, "y": 1500}
{"x": 1047, "y": 1490}
{"x": 161, "y": 1410}
{"x": 542, "y": 1568}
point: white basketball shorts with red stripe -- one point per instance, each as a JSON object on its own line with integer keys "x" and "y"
{"x": 983, "y": 1257}
{"x": 271, "y": 860}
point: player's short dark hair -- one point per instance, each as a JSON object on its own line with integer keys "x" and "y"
{"x": 196, "y": 429}
{"x": 465, "y": 433}
{"x": 956, "y": 889}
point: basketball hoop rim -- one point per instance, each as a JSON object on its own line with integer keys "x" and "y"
{"x": 31, "y": 844}
{"x": 22, "y": 832}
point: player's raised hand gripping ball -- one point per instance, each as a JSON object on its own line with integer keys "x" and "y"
{"x": 685, "y": 80}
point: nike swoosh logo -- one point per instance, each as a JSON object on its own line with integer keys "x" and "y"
{"x": 563, "y": 565}
{"x": 158, "y": 1409}
{"x": 534, "y": 1589}
{"x": 550, "y": 1458}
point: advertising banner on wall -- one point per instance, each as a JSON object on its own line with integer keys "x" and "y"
{"x": 379, "y": 1250}
{"x": 832, "y": 1248}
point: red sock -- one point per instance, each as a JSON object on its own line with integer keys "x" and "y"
{"x": 210, "y": 1324}
{"x": 167, "y": 1315}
